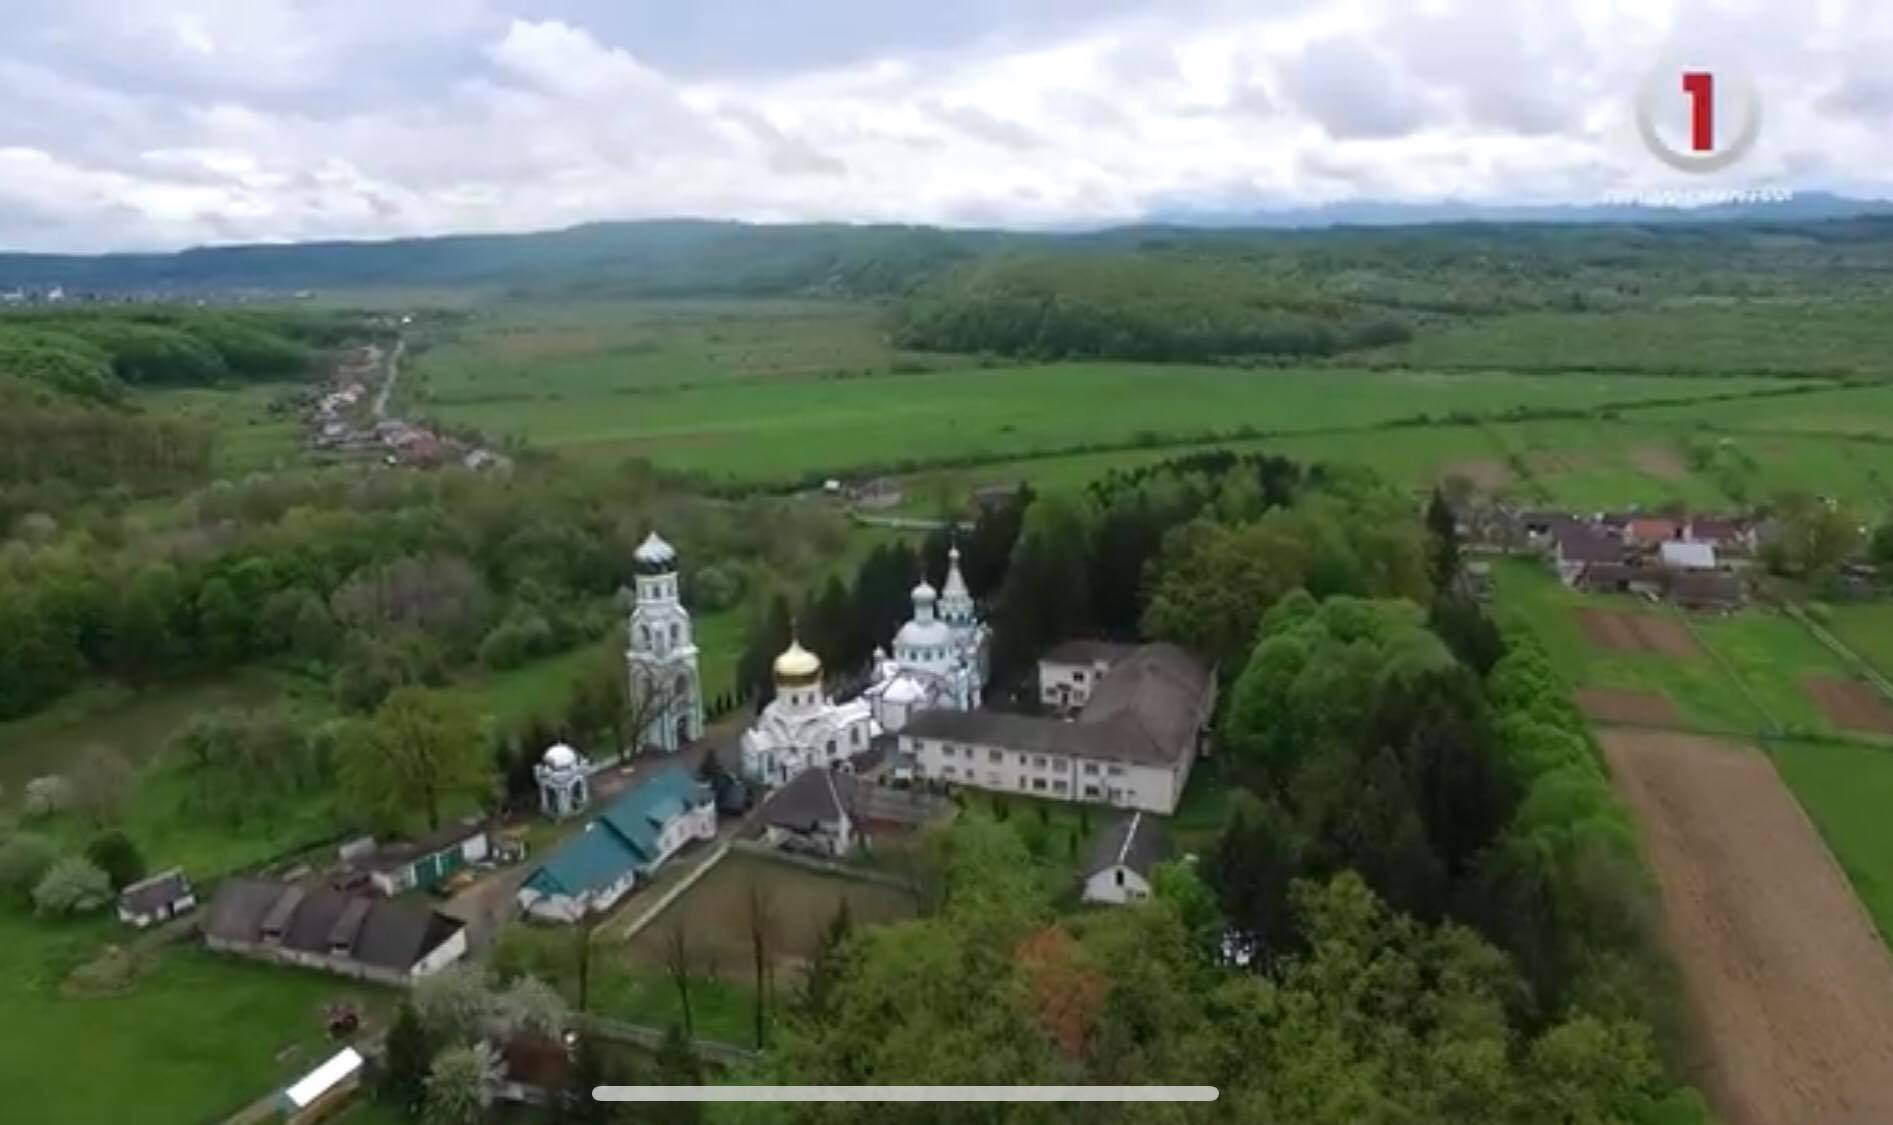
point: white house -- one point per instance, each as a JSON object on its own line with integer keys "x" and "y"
{"x": 1132, "y": 745}
{"x": 427, "y": 862}
{"x": 625, "y": 844}
{"x": 1069, "y": 672}
{"x": 163, "y": 896}
{"x": 1122, "y": 859}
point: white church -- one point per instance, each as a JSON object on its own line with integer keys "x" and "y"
{"x": 939, "y": 663}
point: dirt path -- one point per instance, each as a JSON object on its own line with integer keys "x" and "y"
{"x": 1790, "y": 991}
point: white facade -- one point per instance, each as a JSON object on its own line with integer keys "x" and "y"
{"x": 1117, "y": 885}
{"x": 1066, "y": 685}
{"x": 1066, "y": 777}
{"x": 1688, "y": 556}
{"x": 940, "y": 656}
{"x": 802, "y": 726}
{"x": 661, "y": 657}
{"x": 442, "y": 955}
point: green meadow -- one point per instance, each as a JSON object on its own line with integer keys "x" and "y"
{"x": 784, "y": 429}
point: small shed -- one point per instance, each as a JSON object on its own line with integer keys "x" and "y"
{"x": 160, "y": 898}
{"x": 426, "y": 863}
{"x": 324, "y": 1090}
{"x": 1122, "y": 859}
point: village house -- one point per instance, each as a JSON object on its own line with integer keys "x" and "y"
{"x": 1577, "y": 547}
{"x": 385, "y": 940}
{"x": 1122, "y": 858}
{"x": 811, "y": 814}
{"x": 623, "y": 846}
{"x": 428, "y": 862}
{"x": 161, "y": 897}
{"x": 1132, "y": 745}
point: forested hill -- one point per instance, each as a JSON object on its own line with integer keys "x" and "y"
{"x": 685, "y": 257}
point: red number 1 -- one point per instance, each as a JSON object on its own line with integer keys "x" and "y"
{"x": 1700, "y": 85}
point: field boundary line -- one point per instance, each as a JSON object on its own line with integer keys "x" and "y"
{"x": 821, "y": 866}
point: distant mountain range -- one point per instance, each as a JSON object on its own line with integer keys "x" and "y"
{"x": 685, "y": 257}
{"x": 1797, "y": 208}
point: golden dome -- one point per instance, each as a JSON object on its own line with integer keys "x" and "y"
{"x": 798, "y": 663}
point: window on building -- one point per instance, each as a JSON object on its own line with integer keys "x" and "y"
{"x": 1077, "y": 677}
{"x": 1058, "y": 787}
{"x": 995, "y": 755}
{"x": 644, "y": 635}
{"x": 1038, "y": 783}
{"x": 857, "y": 736}
{"x": 831, "y": 747}
{"x": 1120, "y": 876}
{"x": 1038, "y": 761}
{"x": 1091, "y": 769}
{"x": 1117, "y": 771}
{"x": 947, "y": 771}
{"x": 1062, "y": 765}
{"x": 673, "y": 634}
{"x": 1091, "y": 791}
{"x": 992, "y": 779}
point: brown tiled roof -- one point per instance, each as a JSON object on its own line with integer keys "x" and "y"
{"x": 1580, "y": 544}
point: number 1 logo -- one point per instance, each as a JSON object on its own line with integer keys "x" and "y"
{"x": 1707, "y": 149}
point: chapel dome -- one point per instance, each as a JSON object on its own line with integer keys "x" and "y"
{"x": 924, "y": 634}
{"x": 561, "y": 757}
{"x": 654, "y": 553}
{"x": 798, "y": 663}
{"x": 925, "y": 592}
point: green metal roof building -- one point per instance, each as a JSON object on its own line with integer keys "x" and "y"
{"x": 623, "y": 844}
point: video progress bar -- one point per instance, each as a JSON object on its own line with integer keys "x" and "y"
{"x": 908, "y": 1094}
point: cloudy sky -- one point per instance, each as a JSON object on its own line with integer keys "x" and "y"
{"x": 136, "y": 124}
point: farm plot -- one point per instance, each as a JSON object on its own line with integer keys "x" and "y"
{"x": 1638, "y": 632}
{"x": 797, "y": 905}
{"x": 1851, "y": 705}
{"x": 1633, "y": 708}
{"x": 1789, "y": 989}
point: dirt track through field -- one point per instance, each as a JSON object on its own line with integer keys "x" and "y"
{"x": 1635, "y": 708}
{"x": 1850, "y": 705}
{"x": 1637, "y": 632}
{"x": 1790, "y": 991}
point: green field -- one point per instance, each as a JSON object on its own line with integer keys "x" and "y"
{"x": 1746, "y": 681}
{"x": 1855, "y": 411}
{"x": 1847, "y": 790}
{"x": 250, "y": 434}
{"x": 584, "y": 350}
{"x": 788, "y": 428}
{"x": 1708, "y": 338}
{"x": 196, "y": 1038}
{"x": 1868, "y": 630}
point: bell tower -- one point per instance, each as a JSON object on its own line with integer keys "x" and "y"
{"x": 661, "y": 658}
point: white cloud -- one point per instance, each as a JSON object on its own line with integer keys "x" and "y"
{"x": 154, "y": 123}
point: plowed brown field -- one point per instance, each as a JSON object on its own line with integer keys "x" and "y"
{"x": 1636, "y": 708}
{"x": 1790, "y": 991}
{"x": 1637, "y": 632}
{"x": 1850, "y": 705}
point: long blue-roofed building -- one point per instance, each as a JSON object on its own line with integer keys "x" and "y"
{"x": 624, "y": 845}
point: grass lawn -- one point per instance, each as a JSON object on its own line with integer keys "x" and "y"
{"x": 197, "y": 1037}
{"x": 785, "y": 428}
{"x": 1847, "y": 790}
